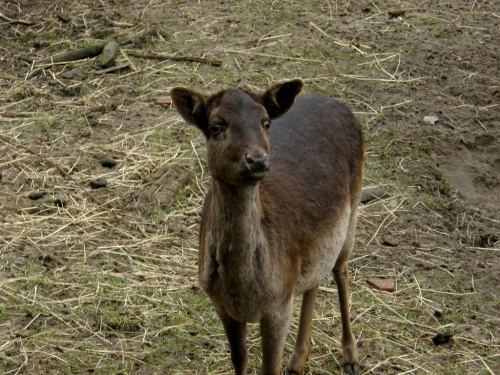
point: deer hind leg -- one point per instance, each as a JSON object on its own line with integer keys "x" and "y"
{"x": 350, "y": 361}
{"x": 236, "y": 335}
{"x": 301, "y": 349}
{"x": 273, "y": 329}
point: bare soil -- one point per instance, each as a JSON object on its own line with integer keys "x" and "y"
{"x": 102, "y": 279}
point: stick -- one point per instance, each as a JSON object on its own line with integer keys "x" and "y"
{"x": 111, "y": 69}
{"x": 175, "y": 58}
{"x": 11, "y": 20}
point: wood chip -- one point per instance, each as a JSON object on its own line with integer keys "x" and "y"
{"x": 112, "y": 69}
{"x": 163, "y": 102}
{"x": 387, "y": 285}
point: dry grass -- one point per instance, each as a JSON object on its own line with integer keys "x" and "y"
{"x": 104, "y": 280}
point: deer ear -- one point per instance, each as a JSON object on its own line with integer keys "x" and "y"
{"x": 191, "y": 105}
{"x": 279, "y": 98}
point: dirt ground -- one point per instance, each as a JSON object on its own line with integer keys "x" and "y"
{"x": 102, "y": 279}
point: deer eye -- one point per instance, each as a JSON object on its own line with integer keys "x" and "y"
{"x": 215, "y": 129}
{"x": 266, "y": 124}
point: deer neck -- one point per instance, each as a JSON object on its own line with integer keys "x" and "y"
{"x": 237, "y": 232}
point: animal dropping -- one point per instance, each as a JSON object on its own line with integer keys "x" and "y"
{"x": 280, "y": 213}
{"x": 108, "y": 162}
{"x": 98, "y": 183}
{"x": 36, "y": 195}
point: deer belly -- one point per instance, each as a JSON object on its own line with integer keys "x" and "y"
{"x": 325, "y": 254}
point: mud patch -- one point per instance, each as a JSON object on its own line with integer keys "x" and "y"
{"x": 473, "y": 169}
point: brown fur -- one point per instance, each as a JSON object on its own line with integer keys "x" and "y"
{"x": 269, "y": 235}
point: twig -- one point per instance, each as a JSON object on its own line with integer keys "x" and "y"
{"x": 112, "y": 69}
{"x": 11, "y": 20}
{"x": 175, "y": 58}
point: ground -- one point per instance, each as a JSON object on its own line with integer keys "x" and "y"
{"x": 103, "y": 280}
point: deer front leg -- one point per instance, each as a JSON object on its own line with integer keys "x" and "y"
{"x": 349, "y": 351}
{"x": 301, "y": 349}
{"x": 236, "y": 335}
{"x": 273, "y": 329}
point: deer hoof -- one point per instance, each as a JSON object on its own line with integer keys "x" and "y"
{"x": 351, "y": 369}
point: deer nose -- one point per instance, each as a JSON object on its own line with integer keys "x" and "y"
{"x": 258, "y": 163}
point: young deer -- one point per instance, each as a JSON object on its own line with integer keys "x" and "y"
{"x": 280, "y": 213}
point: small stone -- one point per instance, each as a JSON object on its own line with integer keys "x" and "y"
{"x": 108, "y": 162}
{"x": 431, "y": 120}
{"x": 388, "y": 240}
{"x": 98, "y": 183}
{"x": 63, "y": 17}
{"x": 71, "y": 73}
{"x": 36, "y": 195}
{"x": 455, "y": 91}
{"x": 370, "y": 193}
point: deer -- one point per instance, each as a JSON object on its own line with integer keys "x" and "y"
{"x": 279, "y": 215}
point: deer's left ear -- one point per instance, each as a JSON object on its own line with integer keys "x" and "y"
{"x": 279, "y": 98}
{"x": 191, "y": 105}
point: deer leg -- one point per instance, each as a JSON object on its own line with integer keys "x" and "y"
{"x": 301, "y": 349}
{"x": 236, "y": 335}
{"x": 349, "y": 352}
{"x": 273, "y": 329}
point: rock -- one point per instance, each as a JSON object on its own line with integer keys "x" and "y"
{"x": 63, "y": 17}
{"x": 389, "y": 240}
{"x": 370, "y": 193}
{"x": 108, "y": 162}
{"x": 455, "y": 91}
{"x": 98, "y": 183}
{"x": 431, "y": 119}
{"x": 36, "y": 195}
{"x": 70, "y": 74}
{"x": 387, "y": 285}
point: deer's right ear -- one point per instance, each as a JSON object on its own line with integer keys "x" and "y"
{"x": 191, "y": 105}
